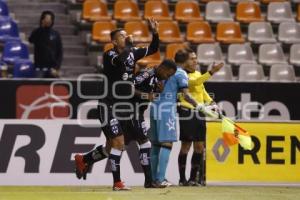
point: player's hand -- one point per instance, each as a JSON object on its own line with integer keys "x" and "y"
{"x": 153, "y": 24}
{"x": 216, "y": 67}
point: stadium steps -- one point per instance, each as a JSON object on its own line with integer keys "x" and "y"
{"x": 27, "y": 14}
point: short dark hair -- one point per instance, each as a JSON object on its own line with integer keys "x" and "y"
{"x": 182, "y": 55}
{"x": 114, "y": 32}
{"x": 170, "y": 64}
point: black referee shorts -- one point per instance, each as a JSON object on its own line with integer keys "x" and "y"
{"x": 192, "y": 125}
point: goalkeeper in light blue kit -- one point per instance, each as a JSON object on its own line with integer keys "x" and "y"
{"x": 163, "y": 122}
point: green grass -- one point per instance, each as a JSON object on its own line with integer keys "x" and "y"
{"x": 139, "y": 193}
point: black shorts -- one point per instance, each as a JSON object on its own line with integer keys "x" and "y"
{"x": 193, "y": 127}
{"x": 135, "y": 129}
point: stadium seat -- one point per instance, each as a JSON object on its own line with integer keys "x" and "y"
{"x": 247, "y": 12}
{"x": 240, "y": 54}
{"x": 139, "y": 30}
{"x": 298, "y": 13}
{"x": 186, "y": 11}
{"x": 209, "y": 53}
{"x": 95, "y": 10}
{"x": 270, "y": 1}
{"x": 261, "y": 32}
{"x": 169, "y": 32}
{"x": 172, "y": 48}
{"x": 295, "y": 54}
{"x": 8, "y": 30}
{"x": 218, "y": 11}
{"x": 199, "y": 32}
{"x": 229, "y": 32}
{"x": 126, "y": 10}
{"x": 23, "y": 69}
{"x": 224, "y": 74}
{"x": 153, "y": 59}
{"x": 282, "y": 72}
{"x": 101, "y": 31}
{"x": 280, "y": 12}
{"x": 13, "y": 51}
{"x": 251, "y": 72}
{"x": 108, "y": 46}
{"x": 4, "y": 9}
{"x": 157, "y": 10}
{"x": 269, "y": 54}
{"x": 289, "y": 32}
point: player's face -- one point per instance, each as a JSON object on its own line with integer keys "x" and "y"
{"x": 47, "y": 21}
{"x": 165, "y": 73}
{"x": 191, "y": 63}
{"x": 120, "y": 39}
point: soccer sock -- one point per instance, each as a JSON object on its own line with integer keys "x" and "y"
{"x": 195, "y": 165}
{"x": 182, "y": 165}
{"x": 145, "y": 160}
{"x": 114, "y": 158}
{"x": 163, "y": 160}
{"x": 154, "y": 161}
{"x": 95, "y": 155}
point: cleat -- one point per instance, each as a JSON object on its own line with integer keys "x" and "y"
{"x": 154, "y": 185}
{"x": 183, "y": 183}
{"x": 120, "y": 186}
{"x": 193, "y": 183}
{"x": 166, "y": 183}
{"x": 81, "y": 167}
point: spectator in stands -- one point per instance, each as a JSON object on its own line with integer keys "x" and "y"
{"x": 48, "y": 51}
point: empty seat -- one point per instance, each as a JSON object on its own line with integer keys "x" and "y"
{"x": 126, "y": 10}
{"x": 269, "y": 54}
{"x": 218, "y": 11}
{"x": 295, "y": 54}
{"x": 153, "y": 59}
{"x": 251, "y": 72}
{"x": 171, "y": 49}
{"x": 209, "y": 53}
{"x": 247, "y": 12}
{"x": 199, "y": 32}
{"x": 139, "y": 30}
{"x": 280, "y": 12}
{"x": 289, "y": 32}
{"x": 14, "y": 51}
{"x": 23, "y": 69}
{"x": 240, "y": 53}
{"x": 282, "y": 72}
{"x": 187, "y": 11}
{"x": 229, "y": 32}
{"x": 298, "y": 12}
{"x": 101, "y": 31}
{"x": 270, "y": 1}
{"x": 157, "y": 9}
{"x": 108, "y": 46}
{"x": 8, "y": 30}
{"x": 224, "y": 74}
{"x": 95, "y": 11}
{"x": 261, "y": 32}
{"x": 169, "y": 32}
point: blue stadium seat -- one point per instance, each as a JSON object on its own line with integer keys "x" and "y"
{"x": 24, "y": 69}
{"x": 13, "y": 51}
{"x": 3, "y": 9}
{"x": 8, "y": 30}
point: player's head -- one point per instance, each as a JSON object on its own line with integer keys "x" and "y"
{"x": 47, "y": 19}
{"x": 186, "y": 58}
{"x": 166, "y": 69}
{"x": 118, "y": 38}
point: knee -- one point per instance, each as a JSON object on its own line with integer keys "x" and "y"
{"x": 198, "y": 147}
{"x": 118, "y": 143}
{"x": 185, "y": 147}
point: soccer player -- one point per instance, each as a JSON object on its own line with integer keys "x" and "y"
{"x": 192, "y": 122}
{"x": 119, "y": 64}
{"x": 163, "y": 122}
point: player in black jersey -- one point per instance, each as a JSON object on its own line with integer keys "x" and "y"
{"x": 119, "y": 64}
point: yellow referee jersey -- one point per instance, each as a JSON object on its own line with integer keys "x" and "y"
{"x": 197, "y": 89}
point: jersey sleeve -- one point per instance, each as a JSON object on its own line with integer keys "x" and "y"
{"x": 141, "y": 52}
{"x": 206, "y": 97}
{"x": 182, "y": 80}
{"x": 199, "y": 79}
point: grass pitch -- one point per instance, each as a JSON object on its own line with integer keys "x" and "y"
{"x": 139, "y": 193}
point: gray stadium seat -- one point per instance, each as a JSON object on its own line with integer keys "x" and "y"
{"x": 261, "y": 32}
{"x": 225, "y": 74}
{"x": 295, "y": 54}
{"x": 209, "y": 53}
{"x": 289, "y": 32}
{"x": 251, "y": 72}
{"x": 280, "y": 12}
{"x": 240, "y": 53}
{"x": 269, "y": 54}
{"x": 282, "y": 72}
{"x": 218, "y": 11}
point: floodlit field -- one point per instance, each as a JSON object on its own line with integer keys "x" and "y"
{"x": 139, "y": 193}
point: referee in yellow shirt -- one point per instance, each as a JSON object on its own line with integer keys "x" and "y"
{"x": 192, "y": 122}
